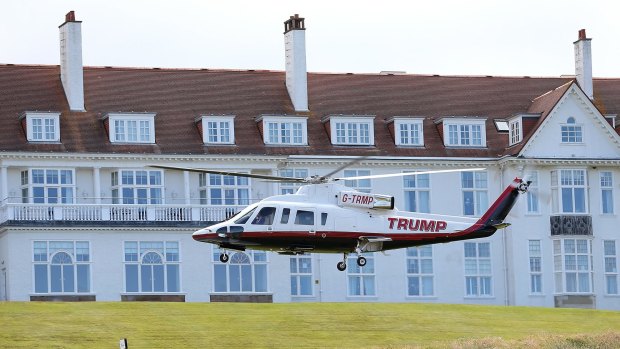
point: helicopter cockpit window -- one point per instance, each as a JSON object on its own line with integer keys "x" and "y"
{"x": 265, "y": 216}
{"x": 286, "y": 212}
{"x": 304, "y": 217}
{"x": 245, "y": 217}
{"x": 323, "y": 218}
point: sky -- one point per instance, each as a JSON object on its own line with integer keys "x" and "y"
{"x": 446, "y": 37}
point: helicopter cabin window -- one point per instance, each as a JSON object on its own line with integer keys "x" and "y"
{"x": 243, "y": 219}
{"x": 265, "y": 216}
{"x": 304, "y": 217}
{"x": 285, "y": 215}
{"x": 323, "y": 218}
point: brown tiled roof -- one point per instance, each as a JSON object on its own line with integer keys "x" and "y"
{"x": 178, "y": 96}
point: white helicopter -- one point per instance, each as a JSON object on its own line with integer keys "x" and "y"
{"x": 324, "y": 216}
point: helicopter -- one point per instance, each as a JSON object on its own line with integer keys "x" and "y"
{"x": 325, "y": 216}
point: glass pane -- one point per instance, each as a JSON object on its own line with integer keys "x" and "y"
{"x": 427, "y": 286}
{"x": 354, "y": 286}
{"x": 246, "y": 278}
{"x": 413, "y": 286}
{"x": 260, "y": 282}
{"x": 219, "y": 284}
{"x": 83, "y": 278}
{"x": 40, "y": 278}
{"x": 369, "y": 285}
{"x": 68, "y": 278}
{"x": 293, "y": 265}
{"x": 131, "y": 277}
{"x": 305, "y": 285}
{"x": 294, "y": 289}
{"x": 235, "y": 278}
{"x": 56, "y": 278}
{"x": 173, "y": 280}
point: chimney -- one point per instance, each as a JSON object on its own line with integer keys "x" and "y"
{"x": 583, "y": 63}
{"x": 295, "y": 50}
{"x": 71, "y": 69}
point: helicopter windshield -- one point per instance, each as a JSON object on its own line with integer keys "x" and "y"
{"x": 243, "y": 216}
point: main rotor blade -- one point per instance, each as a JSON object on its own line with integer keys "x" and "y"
{"x": 237, "y": 174}
{"x": 348, "y": 164}
{"x": 401, "y": 174}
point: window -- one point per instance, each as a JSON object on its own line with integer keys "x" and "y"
{"x": 218, "y": 129}
{"x": 131, "y": 128}
{"x": 417, "y": 193}
{"x": 571, "y": 132}
{"x": 152, "y": 266}
{"x": 284, "y": 130}
{"x": 42, "y": 127}
{"x": 61, "y": 266}
{"x": 304, "y": 217}
{"x": 48, "y": 186}
{"x": 361, "y": 279}
{"x": 137, "y": 187}
{"x": 535, "y": 267}
{"x": 301, "y": 275}
{"x": 478, "y": 273}
{"x": 363, "y": 185}
{"x": 218, "y": 189}
{"x": 516, "y": 133}
{"x": 572, "y": 263}
{"x": 532, "y": 193}
{"x": 475, "y": 200}
{"x": 358, "y": 130}
{"x": 408, "y": 132}
{"x": 607, "y": 190}
{"x": 611, "y": 266}
{"x": 291, "y": 188}
{"x": 246, "y": 272}
{"x": 469, "y": 133}
{"x": 568, "y": 187}
{"x": 265, "y": 216}
{"x": 420, "y": 271}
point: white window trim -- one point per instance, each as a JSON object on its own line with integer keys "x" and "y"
{"x": 164, "y": 263}
{"x": 266, "y": 119}
{"x": 40, "y": 115}
{"x": 48, "y": 262}
{"x": 150, "y": 117}
{"x": 534, "y": 189}
{"x": 369, "y": 120}
{"x": 420, "y": 274}
{"x": 601, "y": 188}
{"x": 459, "y": 122}
{"x": 397, "y": 136}
{"x": 539, "y": 273}
{"x": 512, "y": 137}
{"x": 556, "y": 192}
{"x": 580, "y": 125}
{"x": 219, "y": 118}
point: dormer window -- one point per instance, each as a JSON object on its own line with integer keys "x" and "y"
{"x": 464, "y": 133}
{"x": 42, "y": 126}
{"x": 351, "y": 130}
{"x": 516, "y": 131}
{"x": 572, "y": 132}
{"x": 217, "y": 129}
{"x": 284, "y": 130}
{"x": 131, "y": 127}
{"x": 408, "y": 131}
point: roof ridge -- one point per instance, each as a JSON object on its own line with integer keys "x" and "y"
{"x": 555, "y": 89}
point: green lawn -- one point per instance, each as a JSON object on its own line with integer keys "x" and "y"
{"x": 308, "y": 325}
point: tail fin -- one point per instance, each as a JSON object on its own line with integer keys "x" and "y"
{"x": 495, "y": 215}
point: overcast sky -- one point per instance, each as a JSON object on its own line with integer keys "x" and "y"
{"x": 473, "y": 37}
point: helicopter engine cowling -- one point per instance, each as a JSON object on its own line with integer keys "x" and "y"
{"x": 365, "y": 200}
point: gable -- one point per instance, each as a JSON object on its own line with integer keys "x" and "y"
{"x": 586, "y": 132}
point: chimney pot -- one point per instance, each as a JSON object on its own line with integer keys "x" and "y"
{"x": 70, "y": 16}
{"x": 582, "y": 34}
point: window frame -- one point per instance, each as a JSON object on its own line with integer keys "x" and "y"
{"x": 533, "y": 194}
{"x": 290, "y": 121}
{"x": 288, "y": 187}
{"x": 355, "y": 272}
{"x": 254, "y": 262}
{"x": 571, "y": 129}
{"x": 296, "y": 276}
{"x": 219, "y": 120}
{"x": 418, "y": 257}
{"x": 355, "y": 183}
{"x": 415, "y": 190}
{"x": 607, "y": 187}
{"x": 460, "y": 123}
{"x": 478, "y": 276}
{"x": 138, "y": 118}
{"x": 343, "y": 137}
{"x": 31, "y": 116}
{"x": 515, "y": 131}
{"x": 240, "y": 184}
{"x": 48, "y": 263}
{"x": 557, "y": 191}
{"x": 560, "y": 268}
{"x": 117, "y": 187}
{"x": 478, "y": 209}
{"x": 28, "y": 184}
{"x": 611, "y": 274}
{"x": 409, "y": 122}
{"x": 167, "y": 260}
{"x": 535, "y": 254}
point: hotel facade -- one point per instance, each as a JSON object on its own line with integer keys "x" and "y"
{"x": 83, "y": 216}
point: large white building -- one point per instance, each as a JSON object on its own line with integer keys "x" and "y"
{"x": 84, "y": 217}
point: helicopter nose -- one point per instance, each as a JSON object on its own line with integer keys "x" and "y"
{"x": 202, "y": 234}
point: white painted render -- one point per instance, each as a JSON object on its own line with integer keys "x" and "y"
{"x": 295, "y": 66}
{"x": 71, "y": 68}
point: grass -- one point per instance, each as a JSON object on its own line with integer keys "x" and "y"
{"x": 302, "y": 325}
